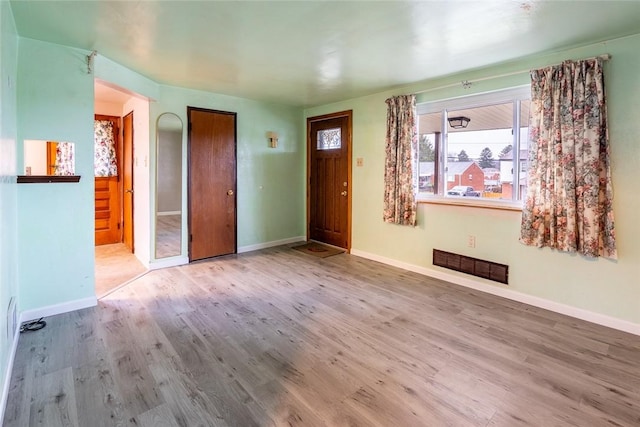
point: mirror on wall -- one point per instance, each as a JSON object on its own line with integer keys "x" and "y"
{"x": 49, "y": 158}
{"x": 168, "y": 186}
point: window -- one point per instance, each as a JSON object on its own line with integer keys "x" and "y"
{"x": 329, "y": 139}
{"x": 469, "y": 147}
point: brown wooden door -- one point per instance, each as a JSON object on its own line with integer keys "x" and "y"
{"x": 212, "y": 183}
{"x": 127, "y": 181}
{"x": 329, "y": 193}
{"x": 52, "y": 154}
{"x": 107, "y": 196}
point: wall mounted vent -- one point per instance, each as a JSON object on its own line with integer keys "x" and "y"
{"x": 476, "y": 267}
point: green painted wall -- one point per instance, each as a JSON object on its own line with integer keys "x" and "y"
{"x": 53, "y": 258}
{"x": 55, "y": 222}
{"x": 601, "y": 286}
{"x": 55, "y": 225}
{"x": 270, "y": 186}
{"x": 113, "y": 73}
{"x": 143, "y": 91}
{"x": 8, "y": 187}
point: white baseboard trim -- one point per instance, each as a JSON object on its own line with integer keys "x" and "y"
{"x": 28, "y": 315}
{"x": 168, "y": 262}
{"x": 271, "y": 244}
{"x": 500, "y": 290}
{"x": 167, "y": 213}
{"x": 9, "y": 372}
{"x": 52, "y": 310}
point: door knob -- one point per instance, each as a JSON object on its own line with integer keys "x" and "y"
{"x": 230, "y": 192}
{"x": 344, "y": 193}
{"x": 128, "y": 191}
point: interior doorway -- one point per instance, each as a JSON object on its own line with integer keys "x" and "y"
{"x": 211, "y": 183}
{"x": 115, "y": 266}
{"x": 108, "y": 185}
{"x": 115, "y": 260}
{"x": 329, "y": 179}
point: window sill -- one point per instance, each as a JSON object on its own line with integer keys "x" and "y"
{"x": 469, "y": 202}
{"x": 45, "y": 179}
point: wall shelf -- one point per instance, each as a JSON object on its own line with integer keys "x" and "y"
{"x": 46, "y": 179}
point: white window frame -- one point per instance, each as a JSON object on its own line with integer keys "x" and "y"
{"x": 515, "y": 94}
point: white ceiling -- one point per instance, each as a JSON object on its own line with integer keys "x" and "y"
{"x": 495, "y": 116}
{"x": 104, "y": 92}
{"x": 314, "y": 52}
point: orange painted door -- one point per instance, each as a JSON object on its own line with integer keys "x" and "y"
{"x": 212, "y": 183}
{"x": 127, "y": 181}
{"x": 52, "y": 148}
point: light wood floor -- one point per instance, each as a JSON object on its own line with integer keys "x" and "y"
{"x": 281, "y": 338}
{"x": 115, "y": 265}
{"x": 168, "y": 235}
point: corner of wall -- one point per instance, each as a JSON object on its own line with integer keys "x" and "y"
{"x": 8, "y": 195}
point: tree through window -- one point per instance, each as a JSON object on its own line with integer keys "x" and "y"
{"x": 480, "y": 155}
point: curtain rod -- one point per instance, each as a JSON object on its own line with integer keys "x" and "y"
{"x": 467, "y": 83}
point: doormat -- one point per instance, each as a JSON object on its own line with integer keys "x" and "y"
{"x": 318, "y": 250}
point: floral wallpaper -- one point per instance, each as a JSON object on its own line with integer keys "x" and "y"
{"x": 105, "y": 160}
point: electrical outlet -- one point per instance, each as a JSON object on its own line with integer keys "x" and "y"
{"x": 471, "y": 242}
{"x": 359, "y": 162}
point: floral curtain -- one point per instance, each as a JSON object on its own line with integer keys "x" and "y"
{"x": 399, "y": 175}
{"x": 569, "y": 199}
{"x": 64, "y": 159}
{"x": 104, "y": 149}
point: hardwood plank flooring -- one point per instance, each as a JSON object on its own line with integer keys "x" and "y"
{"x": 114, "y": 266}
{"x": 168, "y": 235}
{"x": 280, "y": 338}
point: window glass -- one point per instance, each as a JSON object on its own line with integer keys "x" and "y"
{"x": 471, "y": 154}
{"x": 523, "y": 157}
{"x": 473, "y": 165}
{"x": 329, "y": 139}
{"x": 428, "y": 139}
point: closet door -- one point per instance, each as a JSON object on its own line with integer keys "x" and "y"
{"x": 212, "y": 183}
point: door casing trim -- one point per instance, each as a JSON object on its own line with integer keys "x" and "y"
{"x": 349, "y": 115}
{"x": 119, "y": 141}
{"x": 133, "y": 183}
{"x": 235, "y": 178}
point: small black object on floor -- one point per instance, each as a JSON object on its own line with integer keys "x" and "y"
{"x": 34, "y": 325}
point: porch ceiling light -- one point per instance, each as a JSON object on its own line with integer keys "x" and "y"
{"x": 459, "y": 122}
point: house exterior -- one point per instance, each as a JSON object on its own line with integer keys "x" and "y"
{"x": 465, "y": 173}
{"x": 506, "y": 172}
{"x": 458, "y": 173}
{"x": 491, "y": 178}
{"x": 426, "y": 176}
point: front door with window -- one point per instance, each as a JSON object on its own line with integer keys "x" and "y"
{"x": 329, "y": 202}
